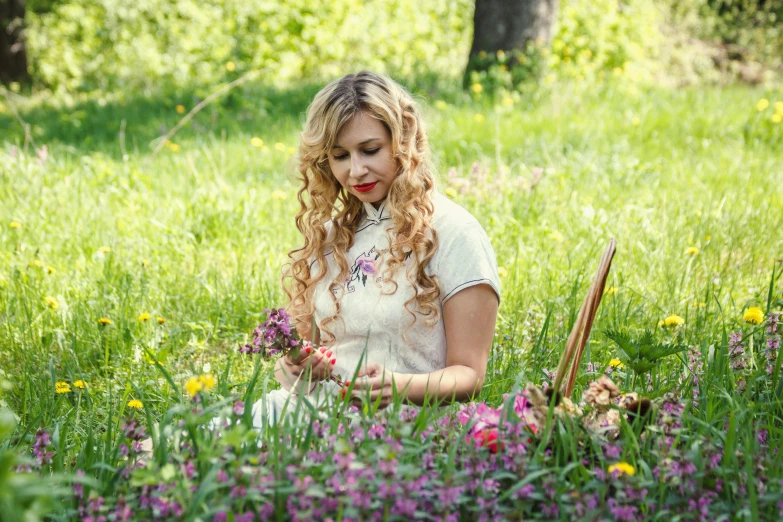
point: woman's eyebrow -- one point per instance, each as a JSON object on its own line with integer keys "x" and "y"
{"x": 338, "y": 146}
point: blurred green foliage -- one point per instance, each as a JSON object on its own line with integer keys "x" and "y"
{"x": 147, "y": 46}
{"x": 92, "y": 45}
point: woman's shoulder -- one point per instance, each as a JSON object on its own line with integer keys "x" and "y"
{"x": 450, "y": 217}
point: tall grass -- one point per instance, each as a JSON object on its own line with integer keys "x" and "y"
{"x": 196, "y": 236}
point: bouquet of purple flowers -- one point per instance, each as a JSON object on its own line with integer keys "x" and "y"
{"x": 276, "y": 336}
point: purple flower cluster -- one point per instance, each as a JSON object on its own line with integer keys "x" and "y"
{"x": 41, "y": 448}
{"x": 273, "y": 336}
{"x": 772, "y": 341}
{"x": 737, "y": 359}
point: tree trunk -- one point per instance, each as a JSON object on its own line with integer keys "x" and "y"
{"x": 13, "y": 58}
{"x": 509, "y": 25}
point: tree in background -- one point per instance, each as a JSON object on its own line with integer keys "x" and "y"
{"x": 508, "y": 26}
{"x": 13, "y": 56}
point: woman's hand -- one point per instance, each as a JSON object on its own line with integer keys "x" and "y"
{"x": 376, "y": 381}
{"x": 312, "y": 365}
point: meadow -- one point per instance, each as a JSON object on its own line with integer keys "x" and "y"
{"x": 126, "y": 275}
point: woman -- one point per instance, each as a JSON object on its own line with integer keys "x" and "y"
{"x": 396, "y": 284}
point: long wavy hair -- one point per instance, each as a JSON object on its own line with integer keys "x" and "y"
{"x": 325, "y": 203}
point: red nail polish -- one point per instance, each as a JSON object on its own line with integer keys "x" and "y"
{"x": 334, "y": 360}
{"x": 308, "y": 349}
{"x": 329, "y": 353}
{"x": 322, "y": 349}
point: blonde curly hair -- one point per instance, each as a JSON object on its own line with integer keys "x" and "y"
{"x": 324, "y": 201}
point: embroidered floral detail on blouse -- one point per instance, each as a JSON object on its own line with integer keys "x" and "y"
{"x": 366, "y": 265}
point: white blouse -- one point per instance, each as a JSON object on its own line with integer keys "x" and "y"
{"x": 374, "y": 324}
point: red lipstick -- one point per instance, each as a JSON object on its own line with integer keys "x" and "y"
{"x": 366, "y": 187}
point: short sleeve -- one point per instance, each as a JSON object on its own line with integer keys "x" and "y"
{"x": 465, "y": 258}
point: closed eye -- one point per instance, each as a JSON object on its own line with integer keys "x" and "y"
{"x": 343, "y": 156}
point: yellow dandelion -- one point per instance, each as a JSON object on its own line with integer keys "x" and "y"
{"x": 135, "y": 404}
{"x": 478, "y": 118}
{"x": 508, "y": 101}
{"x": 611, "y": 290}
{"x": 145, "y": 263}
{"x": 80, "y": 384}
{"x": 477, "y": 88}
{"x": 51, "y": 270}
{"x": 144, "y": 317}
{"x": 105, "y": 321}
{"x": 635, "y": 121}
{"x": 37, "y": 264}
{"x": 62, "y": 387}
{"x": 161, "y": 320}
{"x": 180, "y": 109}
{"x": 280, "y": 146}
{"x": 173, "y": 147}
{"x": 279, "y": 194}
{"x": 502, "y": 272}
{"x": 15, "y": 224}
{"x": 762, "y": 104}
{"x": 52, "y": 303}
{"x": 256, "y": 142}
{"x": 291, "y": 150}
{"x": 193, "y": 386}
{"x": 231, "y": 66}
{"x": 264, "y": 149}
{"x": 616, "y": 363}
{"x": 451, "y": 192}
{"x": 673, "y": 320}
{"x": 776, "y": 118}
{"x": 692, "y": 251}
{"x": 441, "y": 105}
{"x": 104, "y": 250}
{"x": 753, "y": 315}
{"x": 622, "y": 467}
{"x": 207, "y": 381}
{"x": 779, "y": 107}
{"x": 661, "y": 323}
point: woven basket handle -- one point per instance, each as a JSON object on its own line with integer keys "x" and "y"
{"x": 584, "y": 323}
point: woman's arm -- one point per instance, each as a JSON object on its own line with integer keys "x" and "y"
{"x": 469, "y": 317}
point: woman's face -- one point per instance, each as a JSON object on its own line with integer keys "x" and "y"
{"x": 362, "y": 159}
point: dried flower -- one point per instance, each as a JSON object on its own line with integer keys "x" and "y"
{"x": 601, "y": 392}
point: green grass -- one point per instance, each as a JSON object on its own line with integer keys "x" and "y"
{"x": 196, "y": 237}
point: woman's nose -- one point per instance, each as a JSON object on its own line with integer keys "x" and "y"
{"x": 358, "y": 168}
